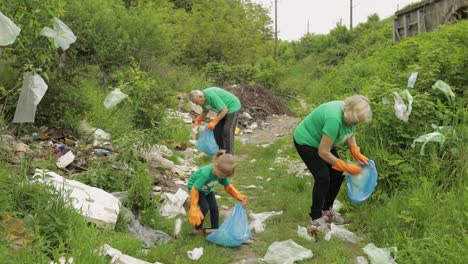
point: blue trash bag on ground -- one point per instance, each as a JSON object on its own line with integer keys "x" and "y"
{"x": 360, "y": 187}
{"x": 234, "y": 230}
{"x": 207, "y": 143}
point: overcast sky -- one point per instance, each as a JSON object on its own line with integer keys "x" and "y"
{"x": 323, "y": 15}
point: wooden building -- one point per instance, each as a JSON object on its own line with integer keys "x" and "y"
{"x": 426, "y": 15}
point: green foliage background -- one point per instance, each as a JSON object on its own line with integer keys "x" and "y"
{"x": 151, "y": 49}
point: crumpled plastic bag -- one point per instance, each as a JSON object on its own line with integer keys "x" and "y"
{"x": 8, "y": 31}
{"x": 234, "y": 230}
{"x": 61, "y": 34}
{"x": 32, "y": 91}
{"x": 207, "y": 143}
{"x": 445, "y": 88}
{"x": 412, "y": 80}
{"x": 302, "y": 232}
{"x": 403, "y": 111}
{"x": 361, "y": 186}
{"x": 173, "y": 203}
{"x": 286, "y": 252}
{"x": 380, "y": 255}
{"x": 258, "y": 219}
{"x": 342, "y": 233}
{"x": 114, "y": 98}
{"x": 434, "y": 136}
{"x": 195, "y": 254}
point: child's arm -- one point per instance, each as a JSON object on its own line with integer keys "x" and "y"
{"x": 195, "y": 214}
{"x": 236, "y": 194}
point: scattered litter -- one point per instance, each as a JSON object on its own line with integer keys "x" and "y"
{"x": 286, "y": 252}
{"x": 253, "y": 160}
{"x": 259, "y": 177}
{"x": 65, "y": 160}
{"x": 119, "y": 258}
{"x": 265, "y": 145}
{"x": 179, "y": 115}
{"x": 258, "y": 219}
{"x": 195, "y": 254}
{"x": 32, "y": 91}
{"x": 403, "y": 111}
{"x": 279, "y": 151}
{"x": 244, "y": 140}
{"x": 269, "y": 179}
{"x": 97, "y": 135}
{"x": 434, "y": 136}
{"x": 412, "y": 80}
{"x": 445, "y": 88}
{"x": 251, "y": 187}
{"x": 114, "y": 98}
{"x": 302, "y": 232}
{"x": 96, "y": 205}
{"x": 343, "y": 233}
{"x": 380, "y": 255}
{"x": 61, "y": 34}
{"x": 148, "y": 236}
{"x": 8, "y": 30}
{"x": 177, "y": 227}
{"x": 19, "y": 148}
{"x": 361, "y": 260}
{"x": 234, "y": 230}
{"x": 173, "y": 203}
{"x": 225, "y": 207}
{"x": 63, "y": 260}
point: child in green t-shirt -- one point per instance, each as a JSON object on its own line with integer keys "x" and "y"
{"x": 200, "y": 186}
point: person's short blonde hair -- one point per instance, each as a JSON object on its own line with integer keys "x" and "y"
{"x": 224, "y": 165}
{"x": 356, "y": 109}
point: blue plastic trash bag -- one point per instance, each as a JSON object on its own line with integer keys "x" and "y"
{"x": 207, "y": 143}
{"x": 234, "y": 230}
{"x": 360, "y": 187}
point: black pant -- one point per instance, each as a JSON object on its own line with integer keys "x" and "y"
{"x": 208, "y": 203}
{"x": 224, "y": 132}
{"x": 327, "y": 180}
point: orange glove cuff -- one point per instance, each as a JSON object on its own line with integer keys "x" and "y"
{"x": 356, "y": 152}
{"x": 235, "y": 193}
{"x": 194, "y": 197}
{"x": 198, "y": 120}
{"x": 341, "y": 165}
{"x": 212, "y": 124}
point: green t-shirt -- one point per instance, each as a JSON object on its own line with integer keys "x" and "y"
{"x": 326, "y": 119}
{"x": 217, "y": 99}
{"x": 204, "y": 180}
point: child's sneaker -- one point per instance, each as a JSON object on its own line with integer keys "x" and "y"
{"x": 198, "y": 232}
{"x": 334, "y": 217}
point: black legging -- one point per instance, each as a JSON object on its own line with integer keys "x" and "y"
{"x": 327, "y": 180}
{"x": 208, "y": 203}
{"x": 224, "y": 132}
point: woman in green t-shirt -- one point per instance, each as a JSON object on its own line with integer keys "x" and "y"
{"x": 200, "y": 186}
{"x": 315, "y": 139}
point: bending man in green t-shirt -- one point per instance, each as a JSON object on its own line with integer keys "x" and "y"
{"x": 227, "y": 106}
{"x": 315, "y": 138}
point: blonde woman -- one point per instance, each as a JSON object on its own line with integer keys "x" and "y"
{"x": 315, "y": 139}
{"x": 202, "y": 197}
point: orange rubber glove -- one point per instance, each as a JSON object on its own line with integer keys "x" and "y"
{"x": 212, "y": 124}
{"x": 352, "y": 169}
{"x": 195, "y": 214}
{"x": 236, "y": 194}
{"x": 197, "y": 122}
{"x": 356, "y": 152}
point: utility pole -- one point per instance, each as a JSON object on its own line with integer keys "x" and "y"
{"x": 351, "y": 15}
{"x": 307, "y": 26}
{"x": 276, "y": 30}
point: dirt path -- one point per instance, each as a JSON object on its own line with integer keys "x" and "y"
{"x": 273, "y": 128}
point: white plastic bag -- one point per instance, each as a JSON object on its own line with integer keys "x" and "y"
{"x": 286, "y": 252}
{"x": 434, "y": 136}
{"x": 380, "y": 255}
{"x": 343, "y": 233}
{"x": 32, "y": 91}
{"x": 402, "y": 111}
{"x": 445, "y": 88}
{"x": 195, "y": 254}
{"x": 61, "y": 34}
{"x": 412, "y": 80}
{"x": 8, "y": 30}
{"x": 258, "y": 219}
{"x": 114, "y": 98}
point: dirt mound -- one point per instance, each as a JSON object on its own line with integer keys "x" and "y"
{"x": 258, "y": 101}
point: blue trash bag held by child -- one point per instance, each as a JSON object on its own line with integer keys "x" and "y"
{"x": 361, "y": 186}
{"x": 207, "y": 143}
{"x": 234, "y": 230}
